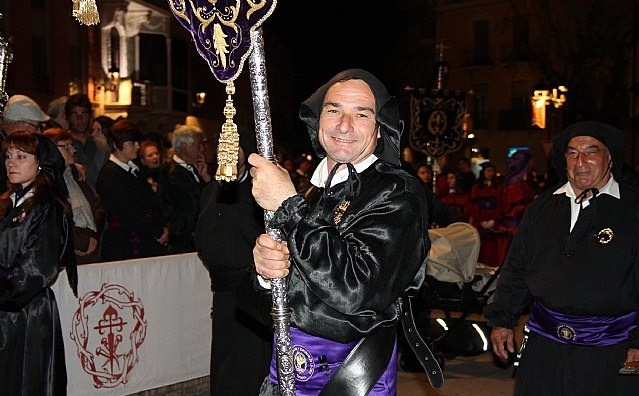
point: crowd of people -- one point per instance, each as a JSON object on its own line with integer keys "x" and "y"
{"x": 79, "y": 189}
{"x": 493, "y": 201}
{"x": 128, "y": 198}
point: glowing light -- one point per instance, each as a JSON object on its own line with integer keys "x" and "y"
{"x": 443, "y": 324}
{"x": 483, "y": 337}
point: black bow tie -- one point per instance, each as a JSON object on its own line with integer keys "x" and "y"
{"x": 584, "y": 194}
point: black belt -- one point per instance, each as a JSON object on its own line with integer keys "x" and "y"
{"x": 366, "y": 363}
{"x": 419, "y": 346}
{"x": 363, "y": 366}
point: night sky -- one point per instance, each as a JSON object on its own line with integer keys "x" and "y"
{"x": 323, "y": 40}
{"x": 327, "y": 39}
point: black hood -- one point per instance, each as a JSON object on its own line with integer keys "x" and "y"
{"x": 386, "y": 109}
{"x": 610, "y": 136}
{"x": 51, "y": 161}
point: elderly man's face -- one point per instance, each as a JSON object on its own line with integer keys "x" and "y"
{"x": 191, "y": 152}
{"x": 588, "y": 163}
{"x": 347, "y": 126}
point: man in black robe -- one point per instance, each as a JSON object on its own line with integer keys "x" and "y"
{"x": 357, "y": 239}
{"x": 575, "y": 257}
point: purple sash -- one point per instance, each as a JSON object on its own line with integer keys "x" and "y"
{"x": 317, "y": 359}
{"x": 580, "y": 330}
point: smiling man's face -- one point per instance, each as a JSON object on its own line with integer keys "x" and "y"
{"x": 347, "y": 127}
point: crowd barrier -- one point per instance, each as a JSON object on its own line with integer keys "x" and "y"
{"x": 136, "y": 324}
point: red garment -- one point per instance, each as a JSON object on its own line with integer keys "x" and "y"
{"x": 488, "y": 203}
{"x": 460, "y": 203}
{"x": 515, "y": 200}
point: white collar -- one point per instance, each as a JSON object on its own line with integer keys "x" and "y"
{"x": 26, "y": 195}
{"x": 611, "y": 188}
{"x": 180, "y": 161}
{"x": 321, "y": 173}
{"x": 122, "y": 165}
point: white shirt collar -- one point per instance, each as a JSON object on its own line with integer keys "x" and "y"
{"x": 26, "y": 195}
{"x": 611, "y": 188}
{"x": 321, "y": 173}
{"x": 125, "y": 166}
{"x": 186, "y": 166}
{"x": 180, "y": 161}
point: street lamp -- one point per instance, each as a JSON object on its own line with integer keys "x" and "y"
{"x": 542, "y": 98}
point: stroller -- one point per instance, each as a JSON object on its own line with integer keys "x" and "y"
{"x": 455, "y": 282}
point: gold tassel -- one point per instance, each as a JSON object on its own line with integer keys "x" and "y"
{"x": 86, "y": 12}
{"x": 228, "y": 148}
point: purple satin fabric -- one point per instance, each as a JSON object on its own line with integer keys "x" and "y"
{"x": 311, "y": 356}
{"x": 580, "y": 330}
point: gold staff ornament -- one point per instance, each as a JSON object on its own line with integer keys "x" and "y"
{"x": 229, "y": 141}
{"x": 223, "y": 32}
{"x": 86, "y": 12}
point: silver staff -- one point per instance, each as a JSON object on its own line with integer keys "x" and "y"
{"x": 6, "y": 56}
{"x": 280, "y": 312}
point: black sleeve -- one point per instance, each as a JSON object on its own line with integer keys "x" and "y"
{"x": 37, "y": 262}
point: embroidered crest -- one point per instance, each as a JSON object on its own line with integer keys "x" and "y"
{"x": 304, "y": 364}
{"x": 337, "y": 217}
{"x": 605, "y": 236}
{"x": 566, "y": 332}
{"x": 108, "y": 328}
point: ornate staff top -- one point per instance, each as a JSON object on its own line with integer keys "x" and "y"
{"x": 223, "y": 33}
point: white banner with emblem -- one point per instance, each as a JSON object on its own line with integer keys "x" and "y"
{"x": 136, "y": 325}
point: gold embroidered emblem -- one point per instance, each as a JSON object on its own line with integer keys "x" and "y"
{"x": 566, "y": 332}
{"x": 605, "y": 236}
{"x": 337, "y": 217}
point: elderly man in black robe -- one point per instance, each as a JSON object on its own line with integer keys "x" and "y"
{"x": 357, "y": 240}
{"x": 575, "y": 258}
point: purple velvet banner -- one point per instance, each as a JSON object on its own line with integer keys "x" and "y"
{"x": 580, "y": 330}
{"x": 222, "y": 30}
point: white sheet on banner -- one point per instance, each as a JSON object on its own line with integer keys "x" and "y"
{"x": 156, "y": 309}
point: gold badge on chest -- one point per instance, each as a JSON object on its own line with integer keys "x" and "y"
{"x": 337, "y": 217}
{"x": 605, "y": 236}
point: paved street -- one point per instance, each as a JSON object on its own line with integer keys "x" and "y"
{"x": 464, "y": 376}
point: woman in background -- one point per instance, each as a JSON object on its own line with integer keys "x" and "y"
{"x": 88, "y": 213}
{"x": 424, "y": 173}
{"x": 34, "y": 242}
{"x": 456, "y": 198}
{"x": 135, "y": 226}
{"x": 100, "y": 128}
{"x": 486, "y": 193}
{"x": 150, "y": 161}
